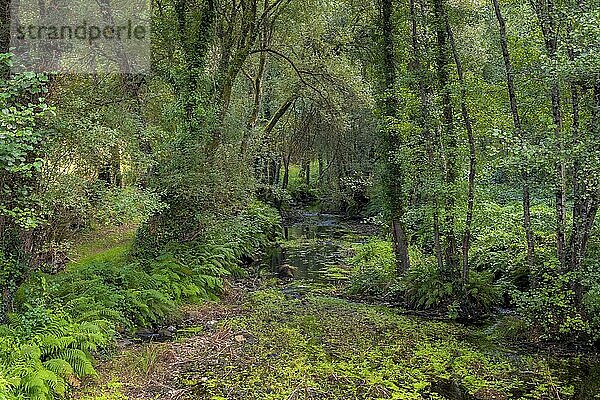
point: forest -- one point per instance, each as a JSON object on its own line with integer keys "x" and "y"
{"x": 301, "y": 199}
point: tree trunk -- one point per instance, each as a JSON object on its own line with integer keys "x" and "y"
{"x": 425, "y": 95}
{"x": 321, "y": 169}
{"x": 4, "y": 26}
{"x": 286, "y": 172}
{"x": 466, "y": 242}
{"x": 545, "y": 10}
{"x": 448, "y": 132}
{"x": 437, "y": 245}
{"x": 307, "y": 172}
{"x": 520, "y": 133}
{"x": 401, "y": 246}
{"x": 395, "y": 178}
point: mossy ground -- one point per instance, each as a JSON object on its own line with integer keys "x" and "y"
{"x": 103, "y": 245}
{"x": 267, "y": 344}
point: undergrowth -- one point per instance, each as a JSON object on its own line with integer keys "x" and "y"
{"x": 47, "y": 345}
{"x": 309, "y": 346}
{"x": 423, "y": 287}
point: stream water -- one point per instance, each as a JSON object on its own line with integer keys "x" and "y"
{"x": 315, "y": 249}
{"x": 316, "y": 246}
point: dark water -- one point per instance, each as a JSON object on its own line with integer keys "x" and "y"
{"x": 315, "y": 250}
{"x": 317, "y": 246}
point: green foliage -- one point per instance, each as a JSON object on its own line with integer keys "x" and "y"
{"x": 63, "y": 318}
{"x": 549, "y": 307}
{"x": 424, "y": 286}
{"x": 483, "y": 293}
{"x": 144, "y": 291}
{"x": 235, "y": 238}
{"x": 374, "y": 269}
{"x": 43, "y": 351}
{"x": 22, "y": 105}
{"x": 275, "y": 195}
{"x": 591, "y": 302}
{"x": 509, "y": 328}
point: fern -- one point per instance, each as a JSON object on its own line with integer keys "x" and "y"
{"x": 60, "y": 367}
{"x": 44, "y": 346}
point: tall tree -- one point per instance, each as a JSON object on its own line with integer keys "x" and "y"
{"x": 449, "y": 139}
{"x": 520, "y": 133}
{"x": 466, "y": 116}
{"x": 394, "y": 179}
{"x": 548, "y": 21}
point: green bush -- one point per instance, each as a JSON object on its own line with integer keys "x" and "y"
{"x": 549, "y": 307}
{"x": 374, "y": 269}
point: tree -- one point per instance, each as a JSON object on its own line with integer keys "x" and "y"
{"x": 22, "y": 106}
{"x": 520, "y": 133}
{"x": 394, "y": 179}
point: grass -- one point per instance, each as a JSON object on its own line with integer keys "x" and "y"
{"x": 93, "y": 246}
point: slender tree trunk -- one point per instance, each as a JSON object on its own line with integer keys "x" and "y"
{"x": 586, "y": 196}
{"x": 279, "y": 114}
{"x": 520, "y": 133}
{"x": 4, "y": 26}
{"x": 277, "y": 178}
{"x": 286, "y": 172}
{"x": 437, "y": 245}
{"x": 4, "y": 34}
{"x": 545, "y": 10}
{"x": 321, "y": 169}
{"x": 257, "y": 83}
{"x": 466, "y": 242}
{"x": 395, "y": 178}
{"x": 306, "y": 168}
{"x": 425, "y": 93}
{"x": 401, "y": 246}
{"x": 575, "y": 251}
{"x": 448, "y": 132}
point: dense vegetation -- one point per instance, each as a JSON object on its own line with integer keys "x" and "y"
{"x": 314, "y": 347}
{"x": 468, "y": 130}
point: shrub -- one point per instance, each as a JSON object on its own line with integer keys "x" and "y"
{"x": 549, "y": 307}
{"x": 374, "y": 269}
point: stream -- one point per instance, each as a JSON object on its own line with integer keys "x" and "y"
{"x": 315, "y": 248}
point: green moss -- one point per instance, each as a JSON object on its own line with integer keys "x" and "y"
{"x": 107, "y": 246}
{"x": 318, "y": 347}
